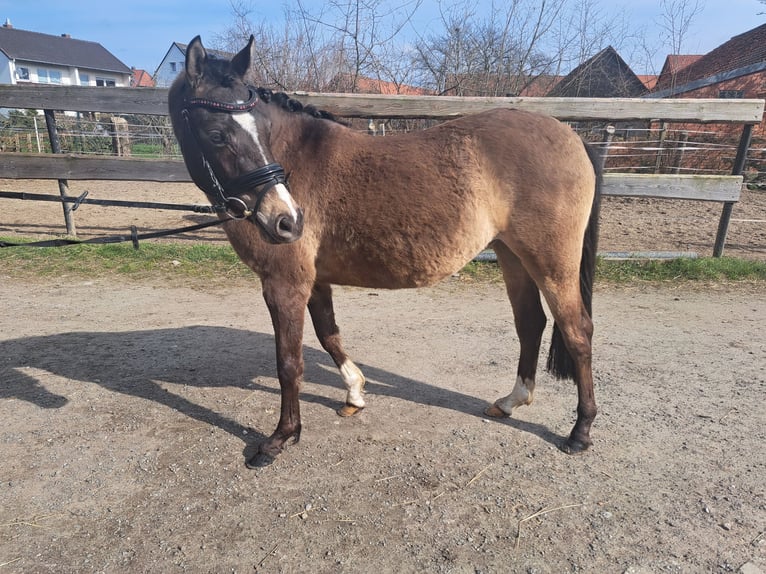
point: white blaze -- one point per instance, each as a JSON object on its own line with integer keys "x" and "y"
{"x": 247, "y": 123}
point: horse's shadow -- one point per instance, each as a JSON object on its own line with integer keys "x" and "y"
{"x": 202, "y": 356}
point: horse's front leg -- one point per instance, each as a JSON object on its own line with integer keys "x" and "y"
{"x": 287, "y": 304}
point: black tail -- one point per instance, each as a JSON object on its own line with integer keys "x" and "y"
{"x": 560, "y": 363}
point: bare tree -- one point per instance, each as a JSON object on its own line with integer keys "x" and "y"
{"x": 364, "y": 36}
{"x": 676, "y": 19}
{"x": 511, "y": 46}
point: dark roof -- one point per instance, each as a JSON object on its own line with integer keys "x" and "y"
{"x": 58, "y": 50}
{"x": 605, "y": 75}
{"x": 741, "y": 51}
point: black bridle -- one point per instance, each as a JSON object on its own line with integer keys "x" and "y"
{"x": 227, "y": 198}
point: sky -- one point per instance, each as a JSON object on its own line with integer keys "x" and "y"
{"x": 140, "y": 32}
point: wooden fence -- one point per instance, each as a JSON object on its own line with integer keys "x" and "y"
{"x": 153, "y": 101}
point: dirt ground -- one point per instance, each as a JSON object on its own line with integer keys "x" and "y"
{"x": 129, "y": 408}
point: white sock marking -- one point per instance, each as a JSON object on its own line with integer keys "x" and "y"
{"x": 354, "y": 381}
{"x": 521, "y": 394}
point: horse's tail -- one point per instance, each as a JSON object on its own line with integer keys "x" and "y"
{"x": 560, "y": 363}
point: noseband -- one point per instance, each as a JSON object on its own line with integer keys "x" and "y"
{"x": 226, "y": 198}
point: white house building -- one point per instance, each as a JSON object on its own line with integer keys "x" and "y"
{"x": 45, "y": 59}
{"x": 173, "y": 63}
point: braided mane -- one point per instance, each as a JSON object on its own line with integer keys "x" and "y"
{"x": 292, "y": 105}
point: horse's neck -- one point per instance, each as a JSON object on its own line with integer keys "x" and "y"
{"x": 300, "y": 131}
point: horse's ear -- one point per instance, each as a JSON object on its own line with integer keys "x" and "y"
{"x": 195, "y": 60}
{"x": 242, "y": 63}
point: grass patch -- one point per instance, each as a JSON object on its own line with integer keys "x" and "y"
{"x": 153, "y": 260}
{"x": 164, "y": 261}
{"x": 702, "y": 269}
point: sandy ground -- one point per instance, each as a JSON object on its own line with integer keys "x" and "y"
{"x": 129, "y": 409}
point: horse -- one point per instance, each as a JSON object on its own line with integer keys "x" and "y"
{"x": 310, "y": 203}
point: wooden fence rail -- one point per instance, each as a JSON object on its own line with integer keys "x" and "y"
{"x": 153, "y": 101}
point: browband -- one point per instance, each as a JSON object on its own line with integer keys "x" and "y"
{"x": 226, "y": 106}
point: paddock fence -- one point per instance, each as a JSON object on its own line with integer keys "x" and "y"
{"x": 124, "y": 134}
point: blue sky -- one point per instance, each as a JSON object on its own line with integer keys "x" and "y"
{"x": 139, "y": 32}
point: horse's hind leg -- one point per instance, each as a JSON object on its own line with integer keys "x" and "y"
{"x": 576, "y": 328}
{"x": 529, "y": 318}
{"x": 323, "y": 316}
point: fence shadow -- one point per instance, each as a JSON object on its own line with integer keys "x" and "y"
{"x": 202, "y": 356}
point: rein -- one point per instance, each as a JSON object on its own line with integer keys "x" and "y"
{"x": 226, "y": 198}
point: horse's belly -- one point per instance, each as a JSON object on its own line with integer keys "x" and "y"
{"x": 395, "y": 267}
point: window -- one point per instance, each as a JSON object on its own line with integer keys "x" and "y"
{"x": 48, "y": 76}
{"x": 731, "y": 94}
{"x": 22, "y": 74}
{"x": 107, "y": 82}
{"x": 84, "y": 79}
{"x": 173, "y": 67}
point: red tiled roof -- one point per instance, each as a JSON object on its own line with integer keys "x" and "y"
{"x": 364, "y": 85}
{"x": 373, "y": 86}
{"x": 540, "y": 86}
{"x": 674, "y": 63}
{"x": 648, "y": 80}
{"x": 671, "y": 74}
{"x": 141, "y": 79}
{"x": 743, "y": 50}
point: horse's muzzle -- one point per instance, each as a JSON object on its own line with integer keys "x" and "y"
{"x": 283, "y": 228}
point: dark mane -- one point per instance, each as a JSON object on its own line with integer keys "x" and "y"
{"x": 292, "y": 105}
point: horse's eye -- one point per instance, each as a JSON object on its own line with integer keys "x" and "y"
{"x": 216, "y": 137}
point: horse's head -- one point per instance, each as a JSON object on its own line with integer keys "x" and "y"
{"x": 224, "y": 138}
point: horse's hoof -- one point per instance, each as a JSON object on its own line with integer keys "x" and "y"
{"x": 348, "y": 410}
{"x": 260, "y": 460}
{"x": 572, "y": 446}
{"x": 495, "y": 412}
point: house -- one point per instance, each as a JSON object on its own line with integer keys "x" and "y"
{"x": 347, "y": 83}
{"x": 670, "y": 75}
{"x": 539, "y": 86}
{"x": 46, "y": 59}
{"x": 649, "y": 80}
{"x": 173, "y": 63}
{"x": 605, "y": 75}
{"x": 141, "y": 79}
{"x": 735, "y": 69}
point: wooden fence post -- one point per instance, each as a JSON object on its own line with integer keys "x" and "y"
{"x": 738, "y": 169}
{"x": 50, "y": 122}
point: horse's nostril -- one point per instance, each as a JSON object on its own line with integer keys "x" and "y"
{"x": 284, "y": 226}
